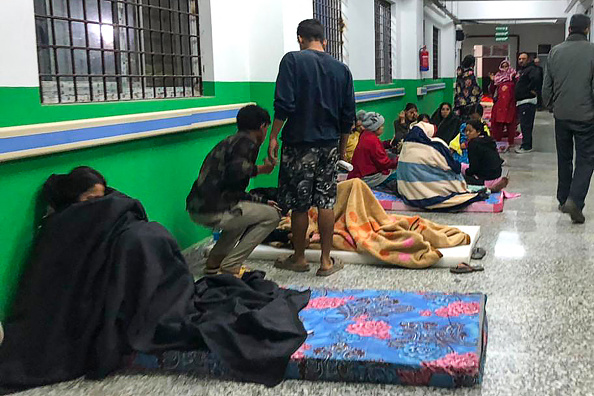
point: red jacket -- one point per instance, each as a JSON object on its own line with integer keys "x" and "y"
{"x": 370, "y": 157}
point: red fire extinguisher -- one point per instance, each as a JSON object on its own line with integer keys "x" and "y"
{"x": 424, "y": 58}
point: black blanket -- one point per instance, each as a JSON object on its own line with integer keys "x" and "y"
{"x": 104, "y": 282}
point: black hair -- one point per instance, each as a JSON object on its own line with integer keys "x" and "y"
{"x": 61, "y": 191}
{"x": 424, "y": 116}
{"x": 579, "y": 23}
{"x": 478, "y": 126}
{"x": 468, "y": 61}
{"x": 251, "y": 118}
{"x": 526, "y": 53}
{"x": 477, "y": 109}
{"x": 311, "y": 30}
{"x": 410, "y": 106}
{"x": 445, "y": 104}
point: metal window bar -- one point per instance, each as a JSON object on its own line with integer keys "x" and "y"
{"x": 329, "y": 13}
{"x": 128, "y": 49}
{"x": 383, "y": 42}
{"x": 435, "y": 52}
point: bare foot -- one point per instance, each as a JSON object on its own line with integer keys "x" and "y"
{"x": 326, "y": 263}
{"x": 213, "y": 263}
{"x": 500, "y": 185}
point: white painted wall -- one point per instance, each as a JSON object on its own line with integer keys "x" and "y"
{"x": 266, "y": 42}
{"x": 18, "y": 59}
{"x": 409, "y": 28}
{"x": 359, "y": 38}
{"x": 244, "y": 40}
{"x": 230, "y": 40}
{"x": 447, "y": 42}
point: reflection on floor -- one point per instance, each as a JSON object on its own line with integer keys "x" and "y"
{"x": 538, "y": 278}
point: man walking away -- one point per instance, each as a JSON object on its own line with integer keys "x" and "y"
{"x": 315, "y": 97}
{"x": 568, "y": 88}
{"x": 527, "y": 99}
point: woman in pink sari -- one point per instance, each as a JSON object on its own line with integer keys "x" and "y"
{"x": 504, "y": 110}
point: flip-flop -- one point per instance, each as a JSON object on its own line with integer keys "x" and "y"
{"x": 478, "y": 253}
{"x": 337, "y": 265}
{"x": 287, "y": 263}
{"x": 464, "y": 268}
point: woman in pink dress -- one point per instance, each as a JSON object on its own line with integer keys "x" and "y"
{"x": 504, "y": 109}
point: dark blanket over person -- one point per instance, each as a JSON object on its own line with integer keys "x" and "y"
{"x": 104, "y": 282}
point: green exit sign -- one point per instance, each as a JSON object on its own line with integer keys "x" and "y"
{"x": 501, "y": 33}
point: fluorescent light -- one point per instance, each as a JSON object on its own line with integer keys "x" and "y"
{"x": 519, "y": 21}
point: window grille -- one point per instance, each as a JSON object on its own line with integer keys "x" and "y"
{"x": 383, "y": 42}
{"x": 435, "y": 52}
{"x": 110, "y": 50}
{"x": 329, "y": 13}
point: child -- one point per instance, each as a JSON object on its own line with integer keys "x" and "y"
{"x": 484, "y": 167}
{"x": 424, "y": 118}
{"x": 459, "y": 145}
{"x": 370, "y": 160}
{"x": 354, "y": 137}
{"x": 218, "y": 198}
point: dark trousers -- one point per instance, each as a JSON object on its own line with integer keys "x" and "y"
{"x": 526, "y": 113}
{"x": 574, "y": 183}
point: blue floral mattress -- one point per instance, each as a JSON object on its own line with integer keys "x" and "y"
{"x": 388, "y": 337}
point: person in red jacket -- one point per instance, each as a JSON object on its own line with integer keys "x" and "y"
{"x": 370, "y": 160}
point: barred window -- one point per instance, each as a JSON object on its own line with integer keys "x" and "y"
{"x": 329, "y": 13}
{"x": 110, "y": 50}
{"x": 435, "y": 52}
{"x": 383, "y": 42}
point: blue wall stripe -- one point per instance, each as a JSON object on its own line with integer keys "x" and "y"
{"x": 435, "y": 87}
{"x": 20, "y": 143}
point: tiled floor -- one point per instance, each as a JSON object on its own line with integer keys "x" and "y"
{"x": 538, "y": 278}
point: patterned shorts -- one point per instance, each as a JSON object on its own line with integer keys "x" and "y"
{"x": 307, "y": 177}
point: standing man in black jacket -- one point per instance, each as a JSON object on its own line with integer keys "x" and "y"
{"x": 569, "y": 89}
{"x": 527, "y": 99}
{"x": 314, "y": 106}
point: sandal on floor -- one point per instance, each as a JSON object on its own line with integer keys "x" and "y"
{"x": 337, "y": 265}
{"x": 464, "y": 268}
{"x": 287, "y": 263}
{"x": 478, "y": 253}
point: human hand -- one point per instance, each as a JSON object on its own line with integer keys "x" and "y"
{"x": 273, "y": 151}
{"x": 274, "y": 205}
{"x": 401, "y": 117}
{"x": 266, "y": 168}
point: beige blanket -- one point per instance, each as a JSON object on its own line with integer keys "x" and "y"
{"x": 362, "y": 225}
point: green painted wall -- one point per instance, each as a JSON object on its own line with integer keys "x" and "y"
{"x": 22, "y": 105}
{"x": 158, "y": 171}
